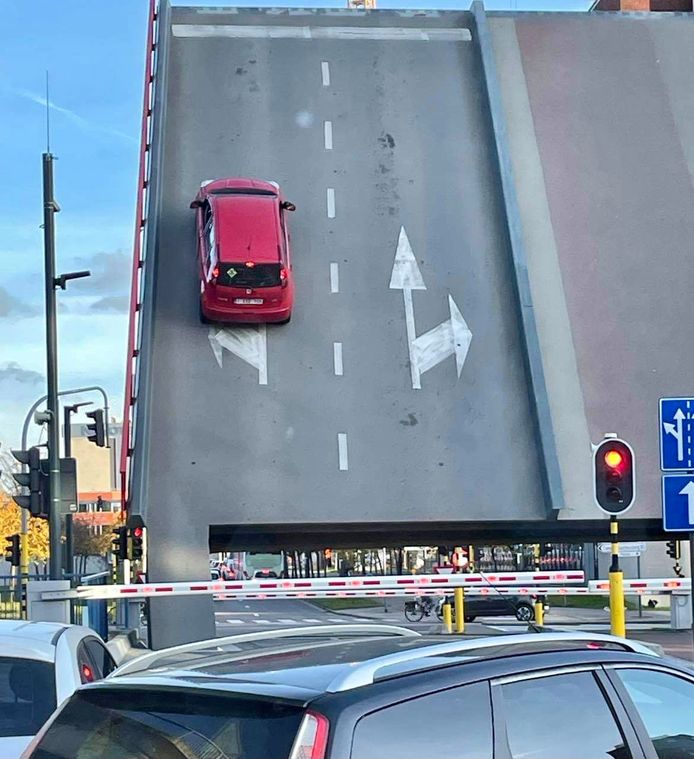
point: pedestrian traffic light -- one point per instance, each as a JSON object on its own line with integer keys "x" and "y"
{"x": 614, "y": 485}
{"x": 137, "y": 535}
{"x": 34, "y": 480}
{"x": 96, "y": 432}
{"x": 673, "y": 549}
{"x": 120, "y": 543}
{"x": 12, "y": 552}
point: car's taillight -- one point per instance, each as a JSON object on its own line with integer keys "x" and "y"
{"x": 87, "y": 674}
{"x": 283, "y": 277}
{"x": 312, "y": 738}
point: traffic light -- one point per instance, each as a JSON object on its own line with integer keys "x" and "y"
{"x": 673, "y": 549}
{"x": 120, "y": 543}
{"x": 613, "y": 481}
{"x": 96, "y": 431}
{"x": 137, "y": 535}
{"x": 12, "y": 553}
{"x": 35, "y": 480}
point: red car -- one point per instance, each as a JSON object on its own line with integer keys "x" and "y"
{"x": 243, "y": 252}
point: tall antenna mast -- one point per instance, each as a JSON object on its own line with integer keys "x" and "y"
{"x": 48, "y": 118}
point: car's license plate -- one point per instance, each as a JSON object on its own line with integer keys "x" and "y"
{"x": 248, "y": 301}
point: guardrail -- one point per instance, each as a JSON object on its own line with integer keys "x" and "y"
{"x": 138, "y": 249}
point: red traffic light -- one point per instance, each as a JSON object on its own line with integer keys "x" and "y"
{"x": 137, "y": 532}
{"x": 613, "y": 458}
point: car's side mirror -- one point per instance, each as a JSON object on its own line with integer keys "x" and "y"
{"x": 288, "y": 206}
{"x": 196, "y": 204}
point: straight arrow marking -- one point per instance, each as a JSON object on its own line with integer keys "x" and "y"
{"x": 688, "y": 490}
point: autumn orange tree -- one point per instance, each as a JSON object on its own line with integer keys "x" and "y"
{"x": 10, "y": 523}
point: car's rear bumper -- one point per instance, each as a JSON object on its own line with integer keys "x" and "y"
{"x": 246, "y": 315}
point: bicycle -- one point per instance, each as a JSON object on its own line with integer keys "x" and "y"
{"x": 422, "y": 607}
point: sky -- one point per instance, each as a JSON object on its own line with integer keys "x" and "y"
{"x": 94, "y": 53}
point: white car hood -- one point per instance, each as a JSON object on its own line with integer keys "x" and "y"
{"x": 11, "y": 748}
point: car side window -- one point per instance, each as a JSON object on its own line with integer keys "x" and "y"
{"x": 563, "y": 716}
{"x": 665, "y": 703}
{"x": 102, "y": 659}
{"x": 429, "y": 725}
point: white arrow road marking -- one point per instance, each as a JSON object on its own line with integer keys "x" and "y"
{"x": 405, "y": 274}
{"x": 248, "y": 343}
{"x": 688, "y": 490}
{"x": 451, "y": 338}
{"x": 676, "y": 432}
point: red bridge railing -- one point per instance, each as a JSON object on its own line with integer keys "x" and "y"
{"x": 138, "y": 253}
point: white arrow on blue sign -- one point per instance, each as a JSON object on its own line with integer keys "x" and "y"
{"x": 676, "y": 422}
{"x": 678, "y": 502}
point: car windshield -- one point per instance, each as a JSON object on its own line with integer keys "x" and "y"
{"x": 27, "y": 695}
{"x": 242, "y": 275}
{"x": 136, "y": 724}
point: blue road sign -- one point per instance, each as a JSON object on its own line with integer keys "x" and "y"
{"x": 678, "y": 502}
{"x": 676, "y": 422}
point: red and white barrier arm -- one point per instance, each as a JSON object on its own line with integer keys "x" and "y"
{"x": 319, "y": 586}
{"x": 657, "y": 585}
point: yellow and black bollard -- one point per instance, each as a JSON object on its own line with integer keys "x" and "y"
{"x": 447, "y": 621}
{"x": 617, "y": 616}
{"x": 459, "y": 610}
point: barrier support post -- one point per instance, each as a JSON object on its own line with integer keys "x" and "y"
{"x": 539, "y": 611}
{"x": 459, "y": 610}
{"x": 617, "y": 616}
{"x": 447, "y": 621}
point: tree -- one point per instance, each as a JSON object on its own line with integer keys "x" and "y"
{"x": 88, "y": 542}
{"x": 11, "y": 521}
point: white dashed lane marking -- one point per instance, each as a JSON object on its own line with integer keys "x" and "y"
{"x": 328, "y": 134}
{"x": 337, "y": 358}
{"x": 330, "y": 196}
{"x": 334, "y": 278}
{"x": 325, "y": 73}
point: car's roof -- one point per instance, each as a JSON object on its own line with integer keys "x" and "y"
{"x": 298, "y": 667}
{"x": 30, "y": 640}
{"x": 247, "y": 228}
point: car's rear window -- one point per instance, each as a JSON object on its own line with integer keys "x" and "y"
{"x": 27, "y": 695}
{"x": 169, "y": 724}
{"x": 241, "y": 275}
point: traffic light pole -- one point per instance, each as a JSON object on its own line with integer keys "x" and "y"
{"x": 617, "y": 619}
{"x": 50, "y": 208}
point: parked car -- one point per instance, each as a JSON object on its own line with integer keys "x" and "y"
{"x": 41, "y": 664}
{"x": 498, "y": 605}
{"x": 244, "y": 262}
{"x": 360, "y": 694}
